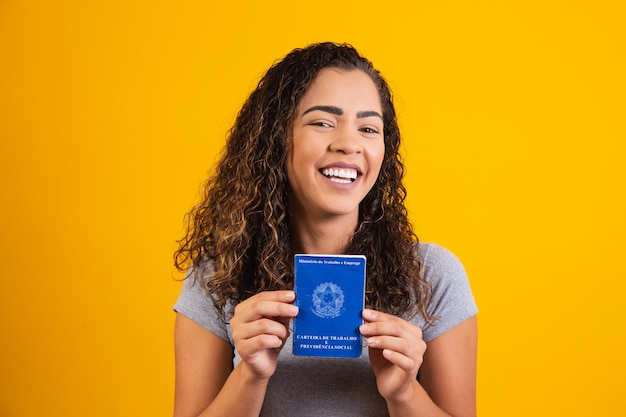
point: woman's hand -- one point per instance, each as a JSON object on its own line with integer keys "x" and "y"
{"x": 396, "y": 351}
{"x": 260, "y": 327}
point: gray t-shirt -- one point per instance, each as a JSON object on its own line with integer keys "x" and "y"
{"x": 308, "y": 386}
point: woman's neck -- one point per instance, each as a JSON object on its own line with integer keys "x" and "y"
{"x": 330, "y": 236}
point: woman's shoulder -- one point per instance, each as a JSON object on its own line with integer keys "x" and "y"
{"x": 194, "y": 303}
{"x": 451, "y": 299}
{"x": 438, "y": 259}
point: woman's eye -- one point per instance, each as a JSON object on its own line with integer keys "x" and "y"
{"x": 369, "y": 130}
{"x": 321, "y": 124}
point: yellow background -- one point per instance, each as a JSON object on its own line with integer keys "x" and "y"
{"x": 112, "y": 112}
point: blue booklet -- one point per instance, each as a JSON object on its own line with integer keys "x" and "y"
{"x": 330, "y": 292}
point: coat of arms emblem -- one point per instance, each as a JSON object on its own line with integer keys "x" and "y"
{"x": 328, "y": 300}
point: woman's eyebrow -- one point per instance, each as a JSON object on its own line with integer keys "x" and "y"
{"x": 368, "y": 113}
{"x": 337, "y": 111}
{"x": 327, "y": 109}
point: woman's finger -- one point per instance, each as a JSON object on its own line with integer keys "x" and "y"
{"x": 266, "y": 304}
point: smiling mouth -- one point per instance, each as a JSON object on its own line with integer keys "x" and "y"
{"x": 340, "y": 175}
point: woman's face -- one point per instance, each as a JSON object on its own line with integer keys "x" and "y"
{"x": 337, "y": 145}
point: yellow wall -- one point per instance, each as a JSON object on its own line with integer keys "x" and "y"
{"x": 111, "y": 113}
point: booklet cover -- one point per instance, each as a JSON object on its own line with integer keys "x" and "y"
{"x": 330, "y": 292}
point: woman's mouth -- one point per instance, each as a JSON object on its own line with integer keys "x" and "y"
{"x": 340, "y": 175}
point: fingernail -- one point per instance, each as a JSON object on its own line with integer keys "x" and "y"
{"x": 364, "y": 328}
{"x": 368, "y": 314}
{"x": 293, "y": 310}
{"x": 290, "y": 295}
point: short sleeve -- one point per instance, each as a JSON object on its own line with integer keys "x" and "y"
{"x": 451, "y": 299}
{"x": 194, "y": 304}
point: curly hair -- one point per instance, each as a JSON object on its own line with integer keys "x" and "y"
{"x": 238, "y": 237}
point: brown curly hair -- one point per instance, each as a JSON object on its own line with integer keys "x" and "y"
{"x": 238, "y": 238}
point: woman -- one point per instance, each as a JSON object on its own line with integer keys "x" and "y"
{"x": 312, "y": 166}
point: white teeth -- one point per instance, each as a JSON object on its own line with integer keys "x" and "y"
{"x": 340, "y": 173}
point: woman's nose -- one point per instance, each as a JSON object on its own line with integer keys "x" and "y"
{"x": 347, "y": 141}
